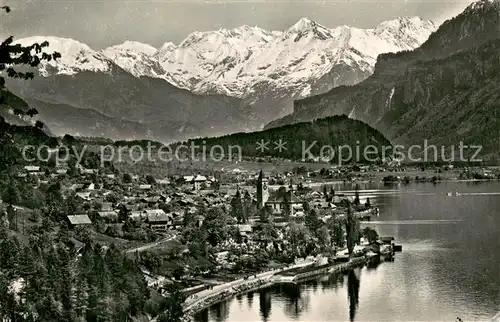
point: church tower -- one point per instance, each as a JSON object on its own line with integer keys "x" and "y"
{"x": 262, "y": 191}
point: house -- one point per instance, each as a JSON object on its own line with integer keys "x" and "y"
{"x": 188, "y": 179}
{"x": 75, "y": 244}
{"x": 163, "y": 182}
{"x": 276, "y": 204}
{"x": 84, "y": 195}
{"x": 76, "y": 186}
{"x": 32, "y": 168}
{"x": 386, "y": 240}
{"x": 79, "y": 220}
{"x": 106, "y": 206}
{"x": 245, "y": 231}
{"x": 145, "y": 186}
{"x": 136, "y": 215}
{"x": 198, "y": 181}
{"x": 111, "y": 215}
{"x": 61, "y": 172}
{"x": 158, "y": 220}
{"x": 320, "y": 204}
{"x": 88, "y": 171}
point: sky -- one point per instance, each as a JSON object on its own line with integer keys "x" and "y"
{"x": 102, "y": 23}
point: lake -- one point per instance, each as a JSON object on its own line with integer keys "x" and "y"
{"x": 449, "y": 267}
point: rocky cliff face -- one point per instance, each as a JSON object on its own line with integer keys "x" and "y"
{"x": 437, "y": 92}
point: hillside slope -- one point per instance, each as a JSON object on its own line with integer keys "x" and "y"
{"x": 442, "y": 92}
{"x": 330, "y": 139}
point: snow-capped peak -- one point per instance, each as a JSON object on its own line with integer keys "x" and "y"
{"x": 303, "y": 24}
{"x": 404, "y": 22}
{"x": 137, "y": 58}
{"x": 75, "y": 56}
{"x": 483, "y": 4}
{"x": 406, "y": 31}
{"x": 135, "y": 46}
{"x": 241, "y": 61}
{"x": 306, "y": 25}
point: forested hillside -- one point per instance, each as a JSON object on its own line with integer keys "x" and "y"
{"x": 335, "y": 131}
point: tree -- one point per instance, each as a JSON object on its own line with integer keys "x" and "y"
{"x": 312, "y": 221}
{"x": 12, "y": 56}
{"x": 123, "y": 213}
{"x": 352, "y": 229}
{"x": 299, "y": 237}
{"x": 249, "y": 206}
{"x": 216, "y": 226}
{"x": 324, "y": 238}
{"x": 237, "y": 210}
{"x": 173, "y": 311}
{"x": 10, "y": 194}
{"x": 356, "y": 197}
{"x": 150, "y": 260}
{"x": 150, "y": 179}
{"x": 127, "y": 178}
{"x": 367, "y": 203}
{"x": 265, "y": 215}
{"x": 336, "y": 228}
{"x": 370, "y": 234}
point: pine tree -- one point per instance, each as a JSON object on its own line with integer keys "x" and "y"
{"x": 237, "y": 210}
{"x": 249, "y": 206}
{"x": 173, "y": 311}
{"x": 350, "y": 229}
{"x": 356, "y": 198}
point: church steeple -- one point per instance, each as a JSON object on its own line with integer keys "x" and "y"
{"x": 262, "y": 190}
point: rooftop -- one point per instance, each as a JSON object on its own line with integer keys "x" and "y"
{"x": 79, "y": 220}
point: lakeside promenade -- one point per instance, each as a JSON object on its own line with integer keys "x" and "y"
{"x": 205, "y": 298}
{"x": 201, "y": 297}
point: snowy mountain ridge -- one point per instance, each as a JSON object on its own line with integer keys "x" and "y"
{"x": 232, "y": 61}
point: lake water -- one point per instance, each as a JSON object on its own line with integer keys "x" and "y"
{"x": 449, "y": 267}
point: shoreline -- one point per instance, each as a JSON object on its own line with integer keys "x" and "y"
{"x": 228, "y": 291}
{"x": 318, "y": 184}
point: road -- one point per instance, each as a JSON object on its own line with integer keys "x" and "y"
{"x": 151, "y": 245}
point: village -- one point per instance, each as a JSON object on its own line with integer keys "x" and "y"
{"x": 204, "y": 231}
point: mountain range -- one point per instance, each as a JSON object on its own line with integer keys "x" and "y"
{"x": 212, "y": 83}
{"x": 445, "y": 91}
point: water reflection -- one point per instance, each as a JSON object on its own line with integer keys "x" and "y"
{"x": 219, "y": 312}
{"x": 265, "y": 304}
{"x": 250, "y": 299}
{"x": 294, "y": 303}
{"x": 352, "y": 293}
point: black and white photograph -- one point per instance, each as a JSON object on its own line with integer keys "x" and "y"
{"x": 249, "y": 160}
